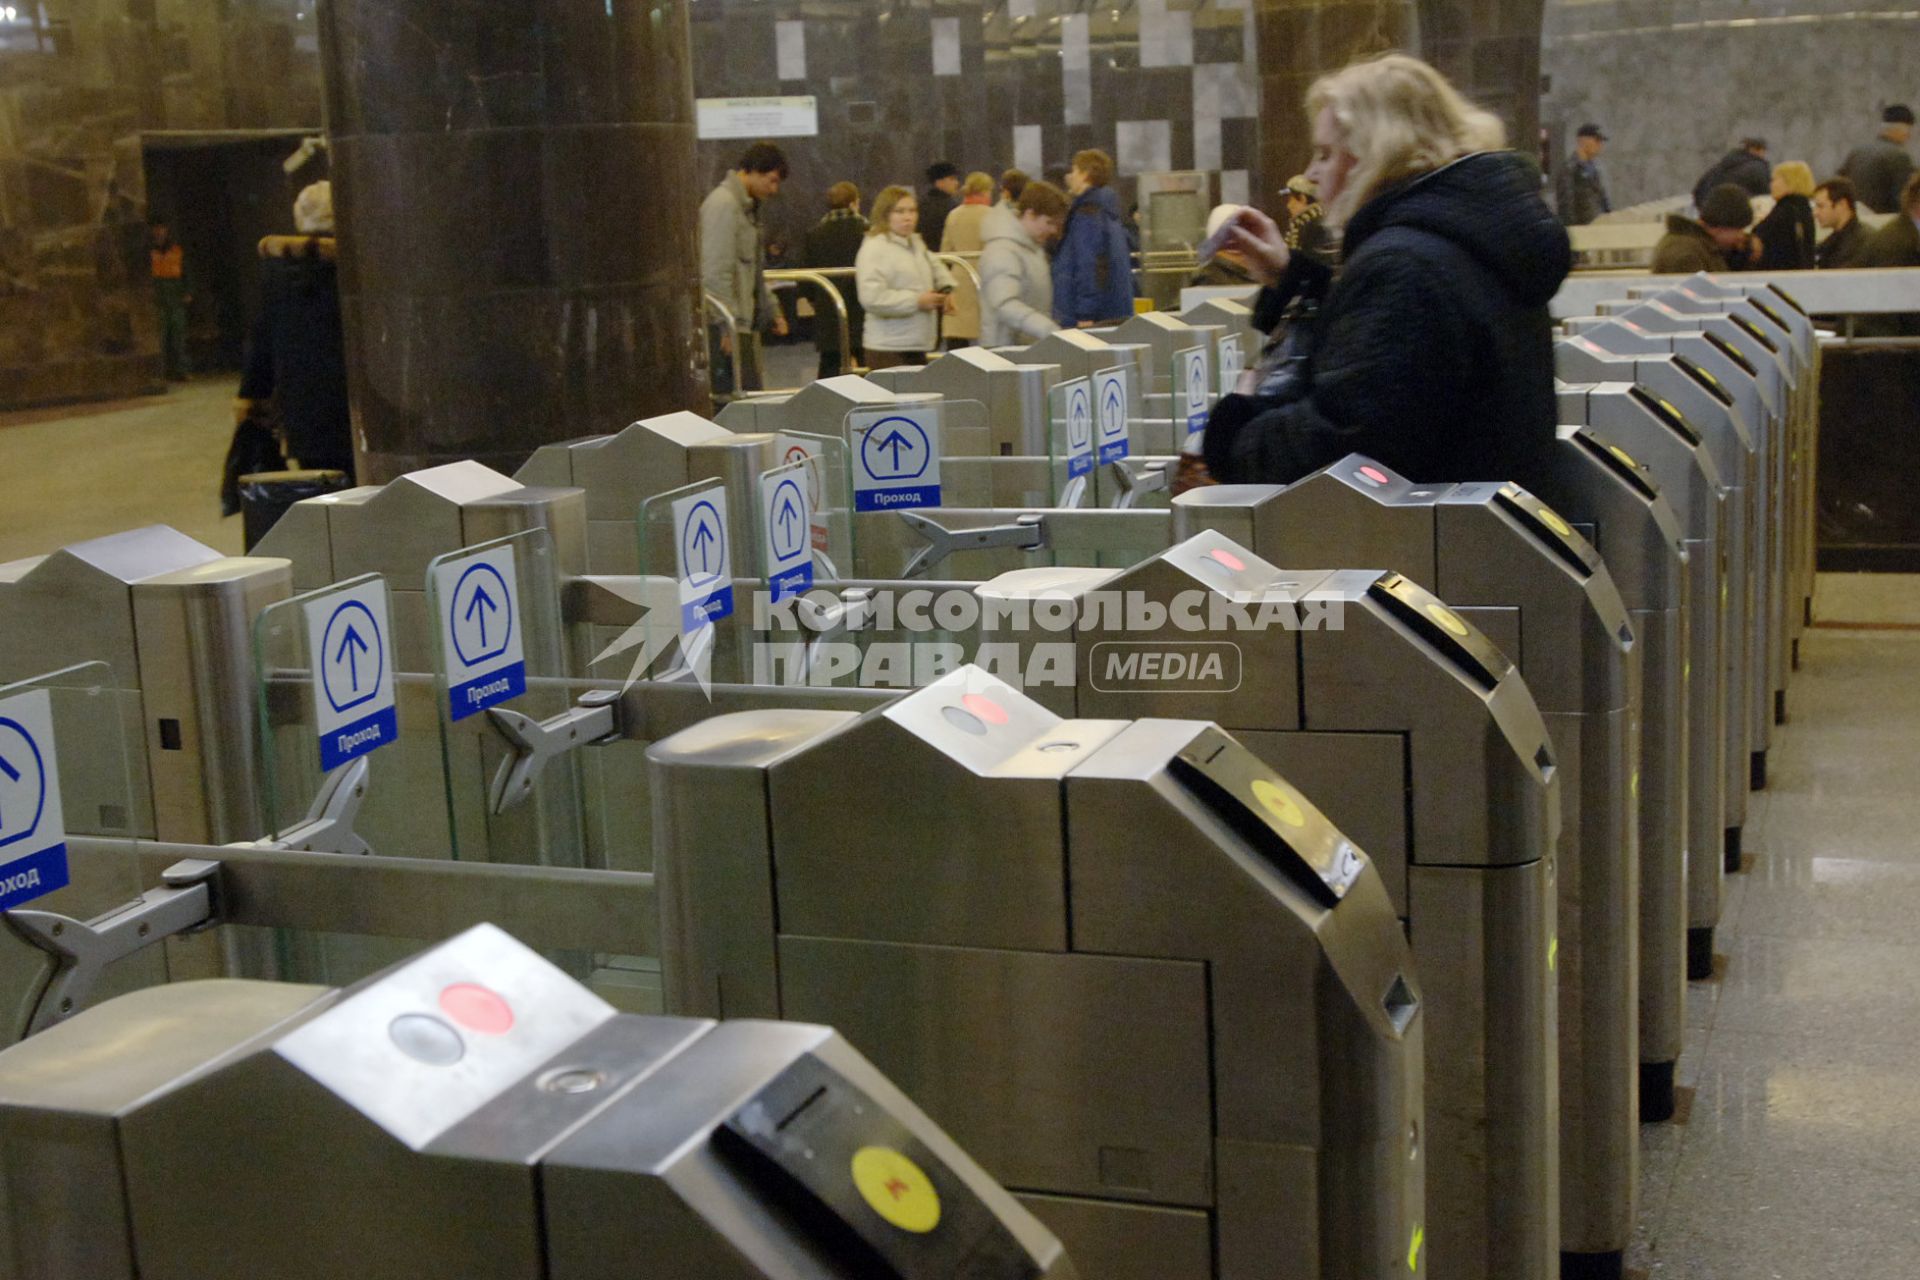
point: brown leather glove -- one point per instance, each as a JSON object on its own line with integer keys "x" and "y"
{"x": 1191, "y": 474}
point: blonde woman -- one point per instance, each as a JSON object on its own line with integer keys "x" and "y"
{"x": 1432, "y": 347}
{"x": 902, "y": 286}
{"x": 1786, "y": 234}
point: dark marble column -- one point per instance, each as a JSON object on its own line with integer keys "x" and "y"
{"x": 514, "y": 183}
{"x": 1300, "y": 41}
{"x": 1490, "y": 49}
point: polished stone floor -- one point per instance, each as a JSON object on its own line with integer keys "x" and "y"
{"x": 1800, "y": 1157}
{"x": 1800, "y": 1154}
{"x": 97, "y": 469}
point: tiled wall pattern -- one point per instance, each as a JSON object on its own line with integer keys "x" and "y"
{"x": 79, "y": 81}
{"x": 1677, "y": 82}
{"x": 987, "y": 84}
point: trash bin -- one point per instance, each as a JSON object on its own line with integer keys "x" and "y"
{"x": 266, "y": 495}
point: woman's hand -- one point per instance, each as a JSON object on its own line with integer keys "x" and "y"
{"x": 1256, "y": 237}
{"x": 932, "y": 300}
{"x": 951, "y": 307}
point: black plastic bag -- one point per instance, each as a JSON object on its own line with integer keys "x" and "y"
{"x": 254, "y": 449}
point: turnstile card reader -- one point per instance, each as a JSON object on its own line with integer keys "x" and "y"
{"x": 1015, "y": 394}
{"x": 1133, "y": 970}
{"x": 474, "y": 1113}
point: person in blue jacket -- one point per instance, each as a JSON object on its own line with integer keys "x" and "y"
{"x": 1093, "y": 272}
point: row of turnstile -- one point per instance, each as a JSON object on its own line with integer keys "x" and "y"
{"x": 1208, "y": 869}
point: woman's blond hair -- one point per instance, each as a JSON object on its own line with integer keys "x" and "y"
{"x": 977, "y": 184}
{"x": 1399, "y": 117}
{"x": 883, "y": 205}
{"x": 1798, "y": 176}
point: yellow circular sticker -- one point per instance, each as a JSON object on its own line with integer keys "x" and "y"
{"x": 1447, "y": 618}
{"x": 1278, "y": 803}
{"x": 897, "y": 1189}
{"x": 1551, "y": 518}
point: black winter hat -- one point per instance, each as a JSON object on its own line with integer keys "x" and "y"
{"x": 942, "y": 169}
{"x": 1727, "y": 206}
{"x": 1898, "y": 113}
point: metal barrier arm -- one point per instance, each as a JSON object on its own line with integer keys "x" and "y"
{"x": 82, "y": 949}
{"x": 535, "y": 742}
{"x": 328, "y": 826}
{"x": 1026, "y": 531}
{"x": 1137, "y": 476}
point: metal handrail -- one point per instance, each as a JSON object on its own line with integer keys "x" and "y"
{"x": 822, "y": 277}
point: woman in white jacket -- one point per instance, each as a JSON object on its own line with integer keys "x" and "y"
{"x": 902, "y": 286}
{"x": 1016, "y": 280}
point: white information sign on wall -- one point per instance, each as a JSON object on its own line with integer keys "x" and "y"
{"x": 791, "y": 117}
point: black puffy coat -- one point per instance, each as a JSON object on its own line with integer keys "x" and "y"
{"x": 1433, "y": 349}
{"x": 1786, "y": 236}
{"x": 296, "y": 354}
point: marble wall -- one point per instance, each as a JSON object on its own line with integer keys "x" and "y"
{"x": 80, "y": 80}
{"x": 1676, "y": 83}
{"x": 989, "y": 84}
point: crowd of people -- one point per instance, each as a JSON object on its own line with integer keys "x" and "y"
{"x": 1046, "y": 258}
{"x": 1725, "y": 230}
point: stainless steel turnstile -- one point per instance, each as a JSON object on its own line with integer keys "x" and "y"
{"x": 172, "y": 620}
{"x": 1186, "y": 991}
{"x": 474, "y": 1113}
{"x": 1746, "y": 687}
{"x": 1357, "y": 685}
{"x": 1494, "y": 546}
{"x": 1731, "y": 391}
{"x": 1602, "y": 492}
{"x": 1653, "y": 433}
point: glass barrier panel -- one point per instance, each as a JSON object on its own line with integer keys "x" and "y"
{"x": 691, "y": 537}
{"x": 1071, "y": 448}
{"x": 63, "y": 737}
{"x": 499, "y": 644}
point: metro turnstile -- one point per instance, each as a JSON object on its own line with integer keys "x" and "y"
{"x": 1731, "y": 389}
{"x": 1654, "y": 434}
{"x": 1493, "y": 545}
{"x": 1742, "y": 333}
{"x": 1355, "y": 685}
{"x": 1126, "y": 965}
{"x": 172, "y": 619}
{"x": 474, "y": 1113}
{"x": 1745, "y": 684}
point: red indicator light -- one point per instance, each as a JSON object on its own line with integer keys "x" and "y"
{"x": 1373, "y": 475}
{"x": 1227, "y": 558}
{"x": 984, "y": 707}
{"x": 477, "y": 1009}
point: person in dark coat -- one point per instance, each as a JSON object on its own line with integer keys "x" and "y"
{"x": 1093, "y": 271}
{"x": 1580, "y": 189}
{"x": 1745, "y": 167}
{"x": 1897, "y": 244}
{"x": 1434, "y": 348}
{"x": 1836, "y": 208}
{"x": 943, "y": 196}
{"x": 296, "y": 353}
{"x": 1307, "y": 229}
{"x": 835, "y": 241}
{"x": 1880, "y": 169}
{"x": 1716, "y": 241}
{"x": 1786, "y": 233}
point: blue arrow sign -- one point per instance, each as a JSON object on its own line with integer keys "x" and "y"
{"x": 479, "y": 629}
{"x": 706, "y": 587}
{"x": 33, "y": 837}
{"x": 897, "y": 459}
{"x": 346, "y": 636}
